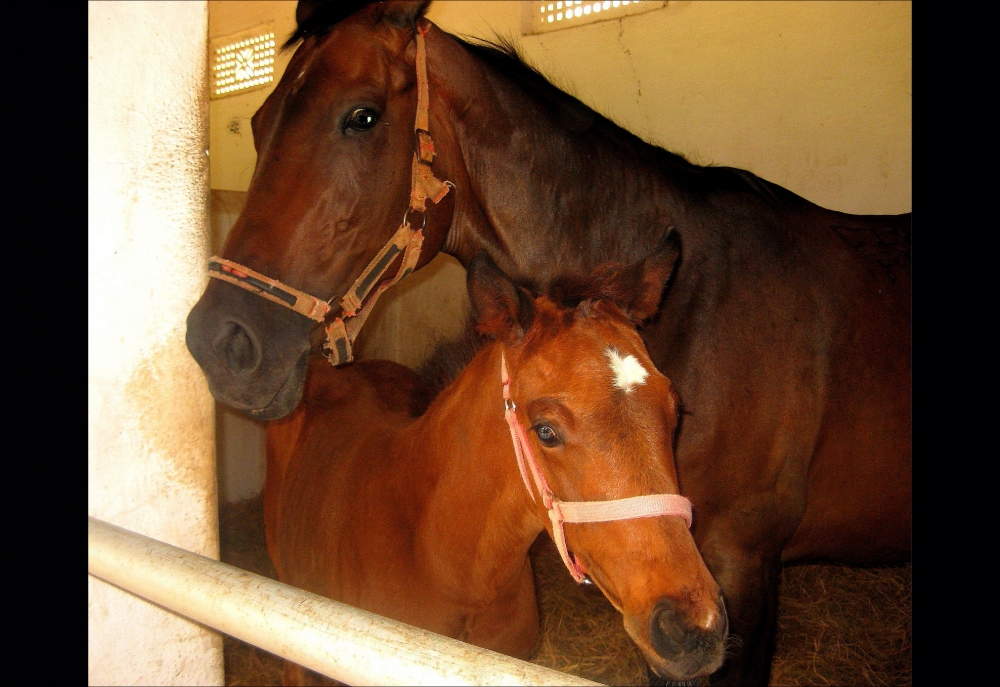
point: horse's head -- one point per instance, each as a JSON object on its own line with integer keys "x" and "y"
{"x": 600, "y": 423}
{"x": 335, "y": 146}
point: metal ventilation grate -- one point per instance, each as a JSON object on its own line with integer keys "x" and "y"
{"x": 551, "y": 16}
{"x": 242, "y": 62}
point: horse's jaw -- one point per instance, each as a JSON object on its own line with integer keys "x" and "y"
{"x": 288, "y": 397}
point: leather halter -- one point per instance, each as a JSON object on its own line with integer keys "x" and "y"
{"x": 579, "y": 511}
{"x": 356, "y": 305}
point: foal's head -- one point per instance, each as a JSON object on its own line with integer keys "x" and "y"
{"x": 600, "y": 421}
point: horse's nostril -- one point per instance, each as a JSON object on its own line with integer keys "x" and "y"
{"x": 237, "y": 348}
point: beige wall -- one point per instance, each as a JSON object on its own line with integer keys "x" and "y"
{"x": 815, "y": 96}
{"x": 150, "y": 439}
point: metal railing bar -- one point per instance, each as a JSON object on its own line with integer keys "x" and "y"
{"x": 345, "y": 643}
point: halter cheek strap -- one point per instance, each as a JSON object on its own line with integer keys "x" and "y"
{"x": 360, "y": 299}
{"x": 578, "y": 511}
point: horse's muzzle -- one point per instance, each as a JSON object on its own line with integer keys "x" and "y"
{"x": 253, "y": 352}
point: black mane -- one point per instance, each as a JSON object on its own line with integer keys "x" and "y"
{"x": 503, "y": 55}
{"x": 450, "y": 358}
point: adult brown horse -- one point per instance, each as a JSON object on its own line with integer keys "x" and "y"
{"x": 785, "y": 329}
{"x": 428, "y": 519}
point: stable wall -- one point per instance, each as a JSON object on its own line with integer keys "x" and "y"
{"x": 815, "y": 96}
{"x": 150, "y": 438}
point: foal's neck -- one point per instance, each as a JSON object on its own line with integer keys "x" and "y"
{"x": 479, "y": 512}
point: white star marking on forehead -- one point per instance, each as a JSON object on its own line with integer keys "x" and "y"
{"x": 628, "y": 371}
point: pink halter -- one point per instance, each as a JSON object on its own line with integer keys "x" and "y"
{"x": 579, "y": 511}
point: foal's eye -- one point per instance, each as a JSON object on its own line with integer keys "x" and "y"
{"x": 362, "y": 119}
{"x": 547, "y": 436}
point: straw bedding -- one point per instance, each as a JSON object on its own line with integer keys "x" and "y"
{"x": 837, "y": 625}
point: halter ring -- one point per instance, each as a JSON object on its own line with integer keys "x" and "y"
{"x": 407, "y": 214}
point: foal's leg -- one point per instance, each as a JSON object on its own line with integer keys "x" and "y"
{"x": 510, "y": 625}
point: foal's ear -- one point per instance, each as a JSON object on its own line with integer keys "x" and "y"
{"x": 654, "y": 272}
{"x": 501, "y": 310}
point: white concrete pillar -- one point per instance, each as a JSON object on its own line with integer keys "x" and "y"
{"x": 151, "y": 461}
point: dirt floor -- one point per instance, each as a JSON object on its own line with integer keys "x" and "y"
{"x": 837, "y": 625}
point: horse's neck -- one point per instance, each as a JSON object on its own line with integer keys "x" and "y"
{"x": 538, "y": 197}
{"x": 478, "y": 511}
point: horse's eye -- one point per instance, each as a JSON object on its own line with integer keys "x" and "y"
{"x": 547, "y": 436}
{"x": 362, "y": 119}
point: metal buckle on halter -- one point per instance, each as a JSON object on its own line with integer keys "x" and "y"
{"x": 406, "y": 217}
{"x": 425, "y": 147}
{"x": 586, "y": 578}
{"x": 508, "y": 404}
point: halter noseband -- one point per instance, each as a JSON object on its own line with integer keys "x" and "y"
{"x": 579, "y": 511}
{"x": 356, "y": 305}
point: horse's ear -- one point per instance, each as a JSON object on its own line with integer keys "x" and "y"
{"x": 306, "y": 9}
{"x": 654, "y": 272}
{"x": 403, "y": 15}
{"x": 317, "y": 16}
{"x": 501, "y": 310}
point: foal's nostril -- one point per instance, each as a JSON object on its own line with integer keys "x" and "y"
{"x": 237, "y": 348}
{"x": 676, "y": 637}
{"x": 671, "y": 635}
{"x": 722, "y": 620}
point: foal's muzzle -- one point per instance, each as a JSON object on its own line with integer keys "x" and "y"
{"x": 688, "y": 649}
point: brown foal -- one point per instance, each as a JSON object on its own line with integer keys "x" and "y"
{"x": 425, "y": 517}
